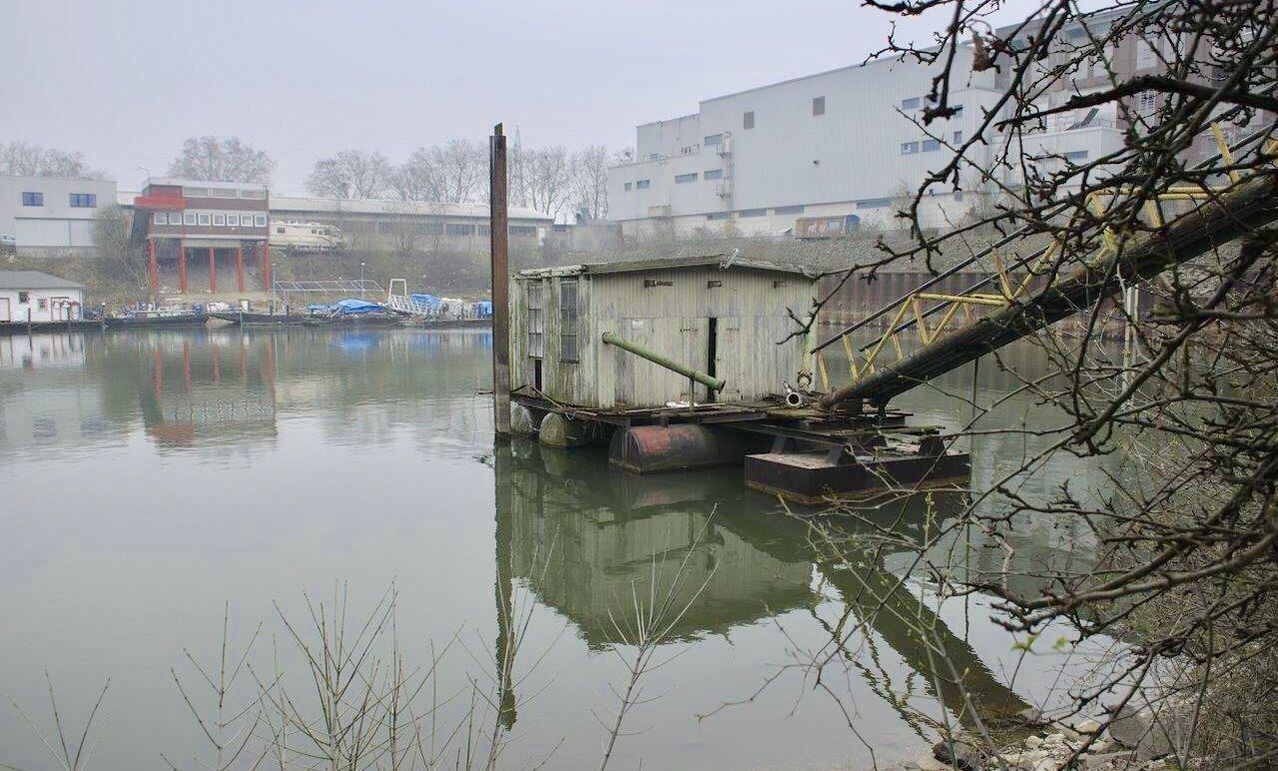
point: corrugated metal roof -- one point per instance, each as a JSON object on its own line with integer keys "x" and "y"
{"x": 300, "y": 204}
{"x": 34, "y": 279}
{"x": 720, "y": 260}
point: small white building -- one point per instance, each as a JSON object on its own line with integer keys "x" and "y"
{"x": 29, "y": 295}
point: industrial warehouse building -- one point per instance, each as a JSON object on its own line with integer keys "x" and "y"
{"x": 718, "y": 316}
{"x": 52, "y": 216}
{"x": 822, "y": 154}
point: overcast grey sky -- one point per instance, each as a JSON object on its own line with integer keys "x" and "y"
{"x": 126, "y": 82}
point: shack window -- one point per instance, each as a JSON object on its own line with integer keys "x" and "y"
{"x": 568, "y": 321}
{"x": 536, "y": 322}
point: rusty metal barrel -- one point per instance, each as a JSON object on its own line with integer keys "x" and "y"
{"x": 649, "y": 449}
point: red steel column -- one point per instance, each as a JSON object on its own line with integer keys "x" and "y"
{"x": 266, "y": 266}
{"x": 239, "y": 267}
{"x": 181, "y": 267}
{"x": 154, "y": 266}
{"x": 212, "y": 271}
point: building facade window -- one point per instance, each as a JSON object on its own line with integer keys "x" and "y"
{"x": 958, "y": 196}
{"x": 536, "y": 322}
{"x": 714, "y": 140}
{"x": 219, "y": 220}
{"x": 258, "y": 219}
{"x": 628, "y": 186}
{"x": 788, "y": 209}
{"x": 642, "y": 184}
{"x": 753, "y": 213}
{"x": 232, "y": 220}
{"x": 930, "y": 145}
{"x": 204, "y": 218}
{"x": 874, "y": 203}
{"x": 456, "y": 229}
{"x": 1076, "y": 156}
{"x": 482, "y": 230}
{"x": 84, "y": 200}
{"x": 683, "y": 179}
{"x": 958, "y": 137}
{"x": 717, "y": 215}
{"x": 160, "y": 218}
{"x": 188, "y": 218}
{"x": 709, "y": 174}
{"x": 747, "y": 120}
{"x": 568, "y": 321}
{"x": 24, "y": 298}
{"x": 33, "y": 199}
{"x": 818, "y": 105}
{"x": 522, "y": 230}
{"x": 909, "y": 148}
{"x": 911, "y": 104}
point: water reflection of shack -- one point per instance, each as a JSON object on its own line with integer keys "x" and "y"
{"x": 584, "y": 541}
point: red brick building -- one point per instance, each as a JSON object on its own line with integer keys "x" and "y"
{"x": 210, "y": 233}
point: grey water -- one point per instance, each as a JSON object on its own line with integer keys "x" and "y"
{"x": 150, "y": 480}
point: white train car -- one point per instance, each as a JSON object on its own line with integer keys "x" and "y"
{"x": 305, "y": 236}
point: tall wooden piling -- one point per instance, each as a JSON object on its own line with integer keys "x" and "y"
{"x": 497, "y": 182}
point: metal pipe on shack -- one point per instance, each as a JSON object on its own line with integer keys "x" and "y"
{"x": 713, "y": 383}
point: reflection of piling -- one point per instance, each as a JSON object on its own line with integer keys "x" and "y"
{"x": 505, "y": 654}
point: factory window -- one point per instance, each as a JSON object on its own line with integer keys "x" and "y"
{"x": 252, "y": 194}
{"x": 258, "y": 219}
{"x": 522, "y": 230}
{"x": 455, "y": 229}
{"x": 1076, "y": 155}
{"x": 714, "y": 140}
{"x": 958, "y": 196}
{"x": 160, "y": 218}
{"x": 930, "y": 145}
{"x": 84, "y": 201}
{"x": 910, "y": 104}
{"x": 818, "y": 106}
{"x": 536, "y": 322}
{"x": 788, "y": 209}
{"x": 280, "y": 230}
{"x": 958, "y": 137}
{"x": 712, "y": 174}
{"x": 33, "y": 199}
{"x": 642, "y": 184}
{"x": 204, "y": 218}
{"x": 628, "y": 186}
{"x": 188, "y": 218}
{"x": 433, "y": 228}
{"x": 219, "y": 220}
{"x": 24, "y": 298}
{"x": 717, "y": 215}
{"x": 195, "y": 192}
{"x": 747, "y": 120}
{"x": 753, "y": 213}
{"x": 222, "y": 192}
{"x": 568, "y": 321}
{"x": 874, "y": 203}
{"x": 689, "y": 149}
{"x": 233, "y": 220}
{"x": 484, "y": 230}
{"x": 909, "y": 148}
{"x": 681, "y": 179}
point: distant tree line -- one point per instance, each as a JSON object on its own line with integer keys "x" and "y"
{"x": 552, "y": 180}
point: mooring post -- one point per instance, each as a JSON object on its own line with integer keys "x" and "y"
{"x": 500, "y": 280}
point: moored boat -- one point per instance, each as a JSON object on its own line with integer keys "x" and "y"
{"x": 164, "y": 317}
{"x": 248, "y": 318}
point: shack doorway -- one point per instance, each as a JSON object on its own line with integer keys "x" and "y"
{"x": 712, "y": 351}
{"x": 537, "y": 375}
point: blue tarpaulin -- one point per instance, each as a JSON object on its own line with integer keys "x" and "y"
{"x": 352, "y": 307}
{"x": 430, "y": 301}
{"x": 483, "y": 310}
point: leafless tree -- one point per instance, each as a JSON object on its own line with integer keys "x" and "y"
{"x": 589, "y": 167}
{"x": 222, "y": 159}
{"x": 350, "y": 174}
{"x": 542, "y": 178}
{"x": 1186, "y": 532}
{"x": 24, "y": 159}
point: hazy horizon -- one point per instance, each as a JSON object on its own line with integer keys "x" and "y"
{"x": 126, "y": 85}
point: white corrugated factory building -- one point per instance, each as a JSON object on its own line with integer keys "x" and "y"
{"x": 29, "y": 295}
{"x": 51, "y": 216}
{"x": 828, "y": 149}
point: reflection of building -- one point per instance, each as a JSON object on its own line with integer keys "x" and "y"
{"x": 52, "y": 216}
{"x": 28, "y": 295}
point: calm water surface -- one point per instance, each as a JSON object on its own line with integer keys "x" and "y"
{"x": 146, "y": 480}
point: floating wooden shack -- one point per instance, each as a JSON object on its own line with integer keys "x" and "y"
{"x": 698, "y": 361}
